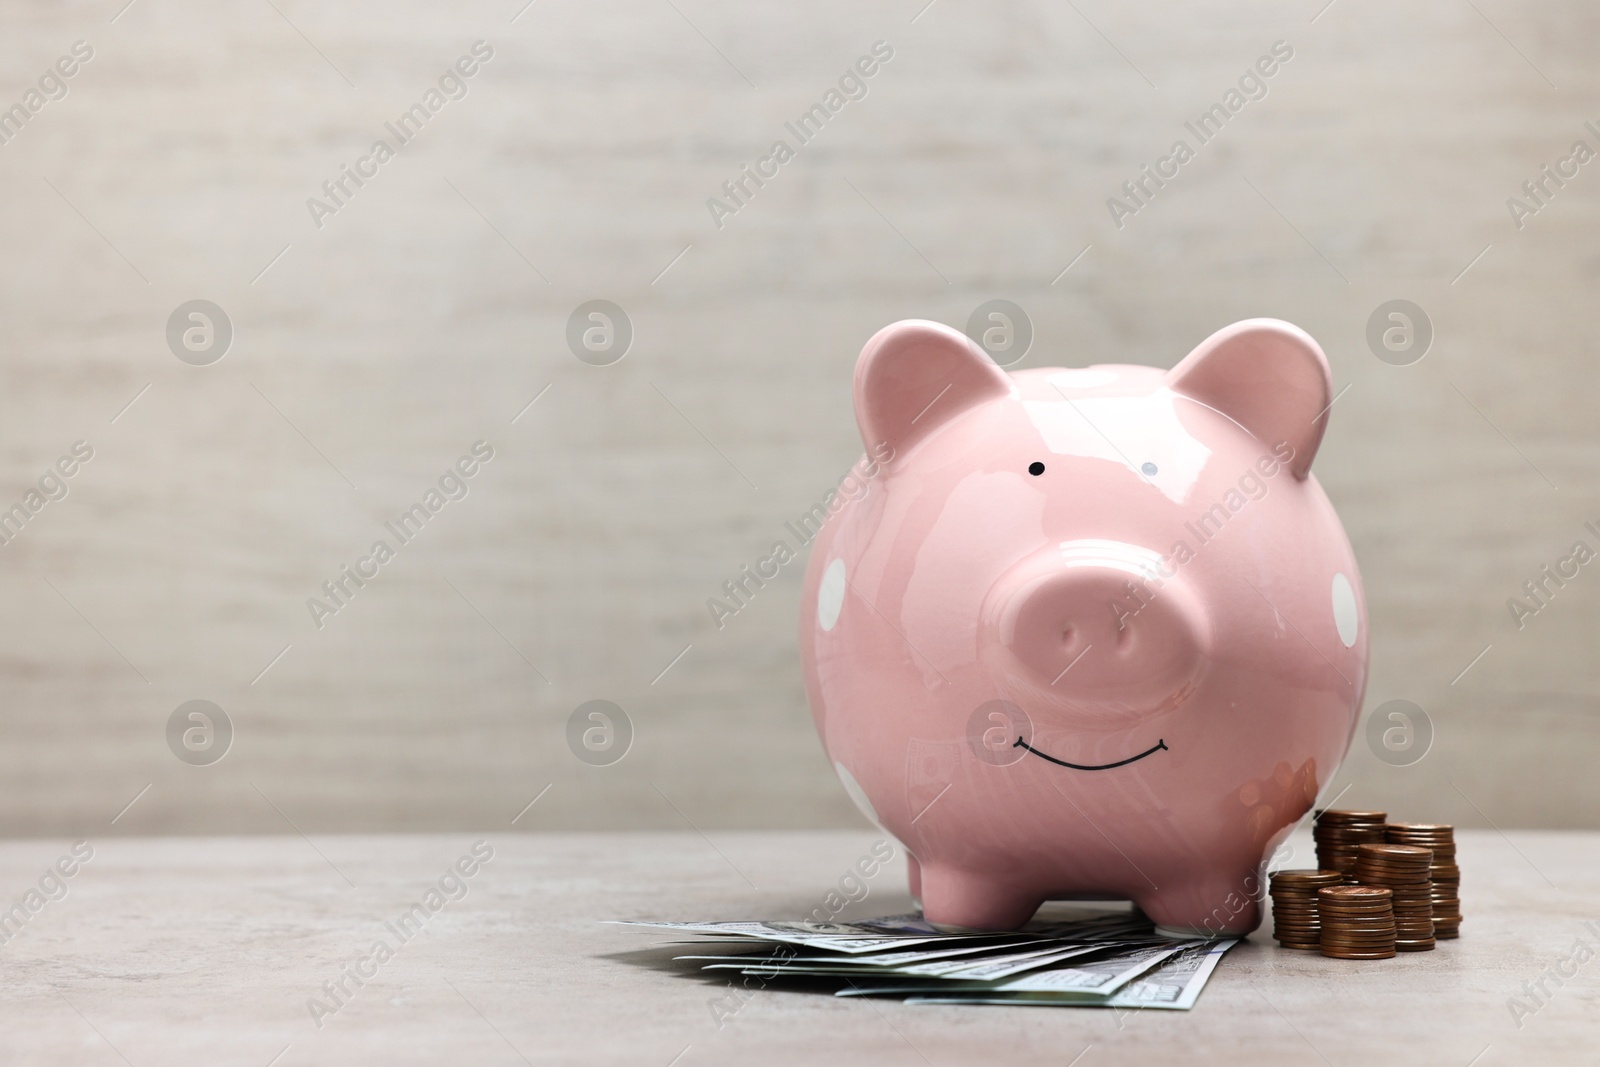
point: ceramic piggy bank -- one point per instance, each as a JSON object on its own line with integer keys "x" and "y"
{"x": 1090, "y": 633}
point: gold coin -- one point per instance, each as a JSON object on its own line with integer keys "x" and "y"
{"x": 1301, "y": 874}
{"x": 1397, "y": 852}
{"x": 1338, "y": 935}
{"x": 1373, "y": 874}
{"x": 1377, "y": 933}
{"x": 1349, "y": 937}
{"x": 1345, "y": 815}
{"x": 1379, "y": 863}
{"x": 1353, "y": 893}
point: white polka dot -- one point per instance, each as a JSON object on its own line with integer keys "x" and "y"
{"x": 853, "y": 788}
{"x": 1345, "y": 617}
{"x": 830, "y": 595}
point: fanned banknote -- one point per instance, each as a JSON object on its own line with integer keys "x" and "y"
{"x": 1175, "y": 985}
{"x": 1084, "y": 958}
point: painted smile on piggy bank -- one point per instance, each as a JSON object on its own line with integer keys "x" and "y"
{"x": 1090, "y": 632}
{"x": 1159, "y": 746}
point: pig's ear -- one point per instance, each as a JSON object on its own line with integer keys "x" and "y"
{"x": 1268, "y": 376}
{"x": 914, "y": 375}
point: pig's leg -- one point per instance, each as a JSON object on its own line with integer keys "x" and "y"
{"x": 1212, "y": 904}
{"x": 914, "y": 878}
{"x": 954, "y": 899}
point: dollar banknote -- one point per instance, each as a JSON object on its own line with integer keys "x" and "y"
{"x": 1174, "y": 985}
{"x": 1083, "y": 957}
{"x": 1082, "y": 979}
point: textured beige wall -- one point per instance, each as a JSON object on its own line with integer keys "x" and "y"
{"x": 428, "y": 311}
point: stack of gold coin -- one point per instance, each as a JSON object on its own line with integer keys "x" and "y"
{"x": 1340, "y": 833}
{"x": 1413, "y": 917}
{"x": 1357, "y": 922}
{"x": 1391, "y": 865}
{"x": 1403, "y": 870}
{"x": 1445, "y": 874}
{"x": 1294, "y": 906}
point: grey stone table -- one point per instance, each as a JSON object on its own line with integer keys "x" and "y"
{"x": 208, "y": 951}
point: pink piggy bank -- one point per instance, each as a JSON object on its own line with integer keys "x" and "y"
{"x": 1087, "y": 633}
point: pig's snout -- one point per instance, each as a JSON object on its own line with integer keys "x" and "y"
{"x": 1099, "y": 628}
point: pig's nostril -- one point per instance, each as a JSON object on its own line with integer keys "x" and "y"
{"x": 1066, "y": 636}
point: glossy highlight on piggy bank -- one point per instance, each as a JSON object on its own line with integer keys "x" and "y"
{"x": 1092, "y": 633}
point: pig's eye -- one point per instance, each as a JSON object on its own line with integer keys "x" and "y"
{"x": 1149, "y": 470}
{"x": 1036, "y": 468}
